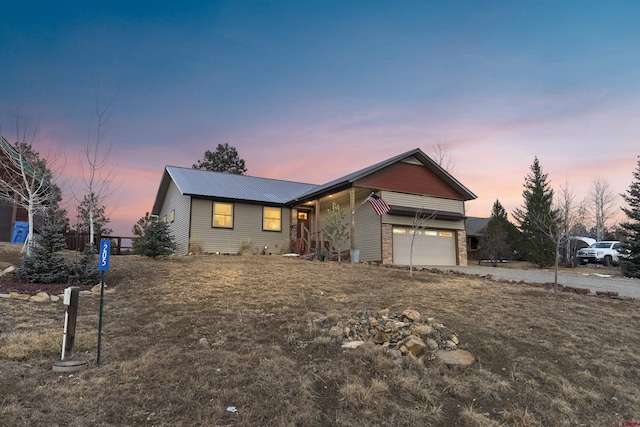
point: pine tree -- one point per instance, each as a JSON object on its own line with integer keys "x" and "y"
{"x": 498, "y": 236}
{"x": 46, "y": 264}
{"x": 630, "y": 264}
{"x": 537, "y": 219}
{"x": 155, "y": 239}
{"x": 85, "y": 271}
{"x": 225, "y": 159}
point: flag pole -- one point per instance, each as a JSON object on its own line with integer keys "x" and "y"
{"x": 363, "y": 202}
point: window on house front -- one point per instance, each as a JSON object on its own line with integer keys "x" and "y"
{"x": 223, "y": 215}
{"x": 172, "y": 216}
{"x": 271, "y": 218}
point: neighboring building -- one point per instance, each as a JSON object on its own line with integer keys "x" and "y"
{"x": 9, "y": 212}
{"x": 228, "y": 212}
{"x": 475, "y": 228}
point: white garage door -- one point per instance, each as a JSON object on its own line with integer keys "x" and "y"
{"x": 430, "y": 247}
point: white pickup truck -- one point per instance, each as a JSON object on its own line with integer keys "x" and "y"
{"x": 605, "y": 253}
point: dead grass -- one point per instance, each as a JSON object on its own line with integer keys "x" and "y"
{"x": 541, "y": 361}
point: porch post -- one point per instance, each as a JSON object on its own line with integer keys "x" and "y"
{"x": 316, "y": 226}
{"x": 352, "y": 223}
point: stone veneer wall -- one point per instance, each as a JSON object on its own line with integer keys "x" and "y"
{"x": 462, "y": 247}
{"x": 387, "y": 244}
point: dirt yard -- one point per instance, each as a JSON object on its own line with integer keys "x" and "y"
{"x": 250, "y": 341}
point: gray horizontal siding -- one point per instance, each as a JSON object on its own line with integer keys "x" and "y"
{"x": 424, "y": 202}
{"x": 179, "y": 228}
{"x": 247, "y": 229}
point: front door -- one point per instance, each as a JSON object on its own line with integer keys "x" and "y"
{"x": 304, "y": 216}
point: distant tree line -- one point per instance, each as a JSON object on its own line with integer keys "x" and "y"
{"x": 546, "y": 222}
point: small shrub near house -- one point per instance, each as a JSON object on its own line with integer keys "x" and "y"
{"x": 85, "y": 271}
{"x": 154, "y": 238}
{"x": 45, "y": 263}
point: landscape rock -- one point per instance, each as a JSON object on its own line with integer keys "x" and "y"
{"x": 353, "y": 344}
{"x": 455, "y": 357}
{"x": 86, "y": 293}
{"x": 203, "y": 342}
{"x": 421, "y": 339}
{"x": 423, "y": 330}
{"x": 20, "y": 297}
{"x": 414, "y": 345}
{"x": 5, "y": 295}
{"x": 40, "y": 297}
{"x": 54, "y": 298}
{"x": 412, "y": 315}
{"x": 10, "y": 269}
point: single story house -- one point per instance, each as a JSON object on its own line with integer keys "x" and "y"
{"x": 475, "y": 228}
{"x": 227, "y": 212}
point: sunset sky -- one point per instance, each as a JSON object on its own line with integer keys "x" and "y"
{"x": 310, "y": 91}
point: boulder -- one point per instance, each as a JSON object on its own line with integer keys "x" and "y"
{"x": 412, "y": 315}
{"x": 455, "y": 357}
{"x": 414, "y": 345}
{"x": 40, "y": 297}
{"x": 431, "y": 343}
{"x": 10, "y": 269}
{"x": 5, "y": 295}
{"x": 54, "y": 298}
{"x": 21, "y": 297}
{"x": 422, "y": 330}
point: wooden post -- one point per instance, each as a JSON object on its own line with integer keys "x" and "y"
{"x": 72, "y": 314}
{"x": 316, "y": 227}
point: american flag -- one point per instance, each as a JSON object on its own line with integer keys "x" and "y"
{"x": 379, "y": 205}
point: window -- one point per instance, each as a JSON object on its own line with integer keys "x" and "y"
{"x": 302, "y": 216}
{"x": 164, "y": 219}
{"x": 172, "y": 215}
{"x": 222, "y": 215}
{"x": 271, "y": 218}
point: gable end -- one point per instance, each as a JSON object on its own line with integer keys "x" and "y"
{"x": 409, "y": 178}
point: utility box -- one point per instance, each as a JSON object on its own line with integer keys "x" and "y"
{"x": 20, "y": 232}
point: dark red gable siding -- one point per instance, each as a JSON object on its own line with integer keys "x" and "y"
{"x": 408, "y": 178}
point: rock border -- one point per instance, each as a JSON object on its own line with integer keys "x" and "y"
{"x": 41, "y": 297}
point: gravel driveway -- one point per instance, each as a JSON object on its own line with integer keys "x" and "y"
{"x": 596, "y": 279}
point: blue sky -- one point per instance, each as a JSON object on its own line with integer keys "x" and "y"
{"x": 310, "y": 91}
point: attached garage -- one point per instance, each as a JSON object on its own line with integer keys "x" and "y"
{"x": 430, "y": 246}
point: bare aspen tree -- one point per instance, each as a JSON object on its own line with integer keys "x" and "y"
{"x": 25, "y": 178}
{"x": 568, "y": 210}
{"x": 98, "y": 175}
{"x": 600, "y": 205}
{"x": 336, "y": 228}
{"x": 551, "y": 227}
{"x": 440, "y": 153}
{"x": 419, "y": 222}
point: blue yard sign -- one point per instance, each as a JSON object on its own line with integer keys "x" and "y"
{"x": 105, "y": 251}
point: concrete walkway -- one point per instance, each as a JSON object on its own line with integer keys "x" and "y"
{"x": 596, "y": 279}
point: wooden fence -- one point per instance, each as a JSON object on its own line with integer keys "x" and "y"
{"x": 119, "y": 245}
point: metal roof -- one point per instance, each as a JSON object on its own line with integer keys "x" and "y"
{"x": 475, "y": 226}
{"x": 197, "y": 182}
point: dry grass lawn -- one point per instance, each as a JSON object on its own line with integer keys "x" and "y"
{"x": 540, "y": 361}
